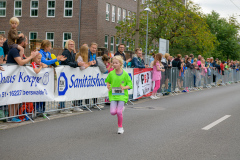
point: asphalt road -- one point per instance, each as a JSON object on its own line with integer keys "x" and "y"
{"x": 170, "y": 128}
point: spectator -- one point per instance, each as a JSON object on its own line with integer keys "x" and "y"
{"x": 167, "y": 67}
{"x": 121, "y": 48}
{"x": 46, "y": 55}
{"x": 157, "y": 69}
{"x": 138, "y": 62}
{"x": 5, "y": 49}
{"x": 15, "y": 58}
{"x": 152, "y": 59}
{"x": 14, "y": 55}
{"x": 106, "y": 61}
{"x": 13, "y": 35}
{"x": 92, "y": 58}
{"x": 82, "y": 57}
{"x": 1, "y": 49}
{"x": 70, "y": 53}
{"x": 1, "y": 68}
{"x": 192, "y": 57}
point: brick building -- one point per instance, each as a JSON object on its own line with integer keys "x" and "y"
{"x": 58, "y": 20}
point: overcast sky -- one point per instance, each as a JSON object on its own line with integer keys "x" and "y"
{"x": 224, "y": 7}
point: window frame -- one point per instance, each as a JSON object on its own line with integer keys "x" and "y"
{"x": 51, "y": 8}
{"x": 2, "y": 32}
{"x": 17, "y": 8}
{"x": 67, "y": 39}
{"x": 107, "y": 12}
{"x": 106, "y": 43}
{"x": 30, "y": 36}
{"x": 124, "y": 17}
{"x": 113, "y": 13}
{"x": 67, "y": 9}
{"x": 34, "y": 8}
{"x": 112, "y": 44}
{"x": 4, "y": 8}
{"x": 51, "y": 40}
{"x": 119, "y": 14}
{"x": 117, "y": 43}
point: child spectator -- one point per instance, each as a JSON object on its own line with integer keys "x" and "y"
{"x": 157, "y": 68}
{"x": 82, "y": 58}
{"x": 13, "y": 35}
{"x": 37, "y": 65}
{"x": 106, "y": 61}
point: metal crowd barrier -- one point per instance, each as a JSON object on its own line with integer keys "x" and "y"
{"x": 192, "y": 79}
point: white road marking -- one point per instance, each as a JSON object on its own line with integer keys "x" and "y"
{"x": 216, "y": 122}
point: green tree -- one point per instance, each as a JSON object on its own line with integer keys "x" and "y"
{"x": 226, "y": 32}
{"x": 184, "y": 27}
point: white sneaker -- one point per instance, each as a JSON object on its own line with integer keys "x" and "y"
{"x": 120, "y": 130}
{"x": 153, "y": 97}
{"x": 65, "y": 111}
{"x": 76, "y": 109}
{"x": 157, "y": 97}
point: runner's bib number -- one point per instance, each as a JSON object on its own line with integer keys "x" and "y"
{"x": 117, "y": 91}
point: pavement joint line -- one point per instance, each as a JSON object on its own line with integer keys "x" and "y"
{"x": 216, "y": 122}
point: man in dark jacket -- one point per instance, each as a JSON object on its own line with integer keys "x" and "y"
{"x": 70, "y": 53}
{"x": 120, "y": 52}
{"x": 138, "y": 62}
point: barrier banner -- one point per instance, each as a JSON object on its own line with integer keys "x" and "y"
{"x": 142, "y": 82}
{"x": 75, "y": 84}
{"x": 130, "y": 73}
{"x": 20, "y": 84}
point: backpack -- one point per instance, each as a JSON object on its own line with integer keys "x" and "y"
{"x": 25, "y": 108}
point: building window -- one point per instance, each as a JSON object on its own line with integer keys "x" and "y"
{"x": 51, "y": 8}
{"x": 2, "y": 32}
{"x": 34, "y": 9}
{"x": 143, "y": 1}
{"x": 124, "y": 15}
{"x": 107, "y": 11}
{"x": 117, "y": 43}
{"x": 2, "y": 8}
{"x": 113, "y": 13}
{"x": 129, "y": 15}
{"x": 119, "y": 15}
{"x": 19, "y": 32}
{"x": 68, "y": 8}
{"x": 122, "y": 40}
{"x": 127, "y": 47}
{"x": 106, "y": 41}
{"x": 66, "y": 36}
{"x": 50, "y": 37}
{"x": 17, "y": 8}
{"x": 32, "y": 35}
{"x": 112, "y": 45}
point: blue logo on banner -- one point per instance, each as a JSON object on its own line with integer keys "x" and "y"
{"x": 45, "y": 79}
{"x": 62, "y": 84}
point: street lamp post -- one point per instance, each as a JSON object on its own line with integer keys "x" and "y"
{"x": 148, "y": 10}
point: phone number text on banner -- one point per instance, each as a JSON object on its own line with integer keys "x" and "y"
{"x": 21, "y": 84}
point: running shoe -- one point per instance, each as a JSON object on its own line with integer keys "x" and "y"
{"x": 120, "y": 130}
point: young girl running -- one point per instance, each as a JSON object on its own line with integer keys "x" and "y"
{"x": 118, "y": 83}
{"x": 157, "y": 69}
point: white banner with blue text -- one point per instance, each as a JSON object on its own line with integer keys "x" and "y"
{"x": 76, "y": 84}
{"x": 21, "y": 84}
